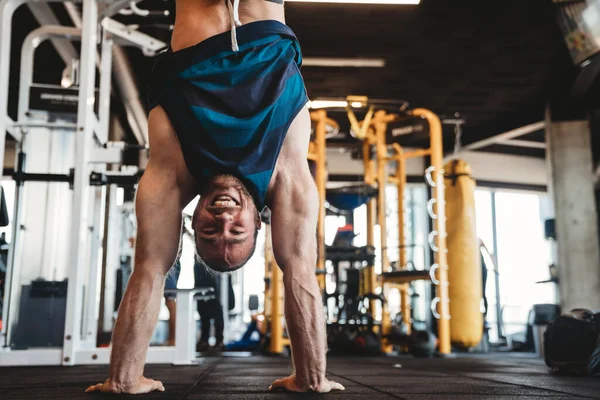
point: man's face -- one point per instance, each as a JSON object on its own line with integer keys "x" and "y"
{"x": 225, "y": 223}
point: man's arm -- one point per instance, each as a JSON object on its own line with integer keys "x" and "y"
{"x": 165, "y": 188}
{"x": 294, "y": 221}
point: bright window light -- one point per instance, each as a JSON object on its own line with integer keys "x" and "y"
{"x": 414, "y": 2}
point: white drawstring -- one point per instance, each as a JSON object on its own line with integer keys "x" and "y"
{"x": 234, "y": 15}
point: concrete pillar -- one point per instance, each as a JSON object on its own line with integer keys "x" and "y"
{"x": 572, "y": 188}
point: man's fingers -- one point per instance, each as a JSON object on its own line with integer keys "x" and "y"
{"x": 286, "y": 384}
{"x": 149, "y": 385}
{"x": 336, "y": 386}
{"x": 157, "y": 385}
{"x": 93, "y": 388}
{"x": 144, "y": 386}
{"x": 278, "y": 384}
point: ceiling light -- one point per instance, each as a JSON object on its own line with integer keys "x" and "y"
{"x": 414, "y": 2}
{"x": 327, "y": 104}
{"x": 315, "y": 104}
{"x": 343, "y": 62}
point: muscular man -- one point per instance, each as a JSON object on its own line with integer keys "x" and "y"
{"x": 228, "y": 121}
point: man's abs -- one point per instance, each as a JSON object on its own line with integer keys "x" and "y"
{"x": 197, "y": 20}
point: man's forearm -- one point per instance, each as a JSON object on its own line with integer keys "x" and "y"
{"x": 135, "y": 324}
{"x": 306, "y": 325}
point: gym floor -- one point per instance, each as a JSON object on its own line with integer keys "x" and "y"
{"x": 463, "y": 377}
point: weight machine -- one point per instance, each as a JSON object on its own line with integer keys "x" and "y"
{"x": 70, "y": 145}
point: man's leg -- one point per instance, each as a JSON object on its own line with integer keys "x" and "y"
{"x": 171, "y": 283}
{"x": 172, "y": 307}
{"x": 217, "y": 312}
{"x": 164, "y": 190}
{"x": 203, "y": 311}
{"x": 252, "y": 327}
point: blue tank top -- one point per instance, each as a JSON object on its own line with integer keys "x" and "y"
{"x": 232, "y": 110}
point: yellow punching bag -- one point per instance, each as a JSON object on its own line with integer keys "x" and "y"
{"x": 464, "y": 262}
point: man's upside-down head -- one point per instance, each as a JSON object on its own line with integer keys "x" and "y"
{"x": 226, "y": 223}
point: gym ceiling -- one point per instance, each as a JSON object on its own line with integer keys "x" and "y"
{"x": 496, "y": 63}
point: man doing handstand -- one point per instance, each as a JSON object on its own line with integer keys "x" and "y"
{"x": 228, "y": 121}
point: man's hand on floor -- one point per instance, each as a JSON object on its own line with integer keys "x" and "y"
{"x": 145, "y": 385}
{"x": 289, "y": 384}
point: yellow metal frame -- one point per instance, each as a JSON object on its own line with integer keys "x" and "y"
{"x": 436, "y": 154}
{"x": 317, "y": 153}
{"x": 373, "y": 132}
{"x": 400, "y": 181}
{"x": 273, "y": 297}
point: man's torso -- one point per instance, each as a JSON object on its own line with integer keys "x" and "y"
{"x": 197, "y": 20}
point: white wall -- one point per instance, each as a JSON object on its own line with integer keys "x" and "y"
{"x": 339, "y": 162}
{"x": 507, "y": 168}
{"x": 486, "y": 167}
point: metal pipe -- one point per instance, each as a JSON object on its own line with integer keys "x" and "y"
{"x": 401, "y": 186}
{"x": 89, "y": 324}
{"x": 123, "y": 77}
{"x": 224, "y": 297}
{"x": 30, "y": 44}
{"x": 45, "y": 16}
{"x": 523, "y": 143}
{"x": 116, "y": 6}
{"x": 105, "y": 88}
{"x": 268, "y": 264}
{"x": 7, "y": 10}
{"x": 276, "y": 343}
{"x": 499, "y": 322}
{"x": 321, "y": 177}
{"x": 104, "y": 64}
{"x": 524, "y": 130}
{"x": 368, "y": 286}
{"x": 13, "y": 266}
{"x": 437, "y": 154}
{"x": 110, "y": 256}
{"x": 136, "y": 114}
{"x": 380, "y": 123}
{"x": 381, "y": 150}
{"x": 84, "y": 142}
{"x": 417, "y": 153}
